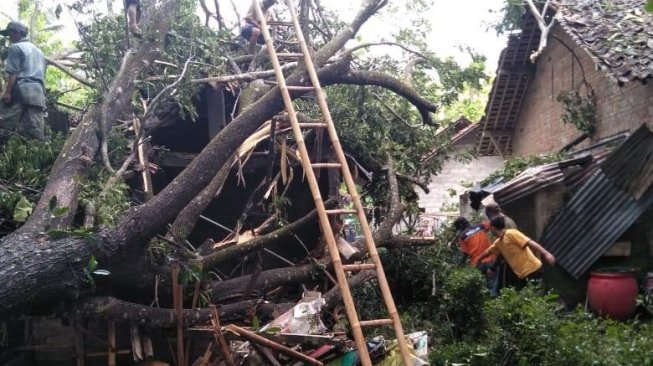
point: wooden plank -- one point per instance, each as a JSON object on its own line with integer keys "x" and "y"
{"x": 111, "y": 339}
{"x": 147, "y": 347}
{"x": 79, "y": 348}
{"x": 253, "y": 337}
{"x": 144, "y": 161}
{"x": 219, "y": 337}
{"x": 215, "y": 109}
{"x": 134, "y": 336}
{"x": 177, "y": 299}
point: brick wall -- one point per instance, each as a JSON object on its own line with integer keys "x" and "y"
{"x": 455, "y": 175}
{"x": 539, "y": 128}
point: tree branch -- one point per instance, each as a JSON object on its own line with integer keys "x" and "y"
{"x": 167, "y": 203}
{"x": 376, "y": 78}
{"x": 83, "y": 144}
{"x": 248, "y": 76}
{"x": 70, "y": 73}
{"x": 112, "y": 308}
{"x": 541, "y": 23}
{"x": 414, "y": 181}
{"x": 367, "y": 45}
{"x": 237, "y": 251}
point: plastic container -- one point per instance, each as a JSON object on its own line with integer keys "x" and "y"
{"x": 613, "y": 292}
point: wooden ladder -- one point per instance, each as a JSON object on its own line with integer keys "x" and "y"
{"x": 323, "y": 213}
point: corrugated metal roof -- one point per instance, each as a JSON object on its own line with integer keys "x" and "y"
{"x": 536, "y": 178}
{"x": 602, "y": 210}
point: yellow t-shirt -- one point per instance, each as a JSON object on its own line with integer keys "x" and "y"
{"x": 512, "y": 245}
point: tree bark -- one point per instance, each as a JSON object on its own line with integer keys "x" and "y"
{"x": 35, "y": 269}
{"x": 187, "y": 218}
{"x": 70, "y": 167}
{"x": 240, "y": 250}
{"x": 112, "y": 308}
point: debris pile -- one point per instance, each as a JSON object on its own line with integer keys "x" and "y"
{"x": 299, "y": 337}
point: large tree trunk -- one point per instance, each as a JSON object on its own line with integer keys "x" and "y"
{"x": 35, "y": 269}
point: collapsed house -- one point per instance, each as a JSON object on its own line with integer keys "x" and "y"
{"x": 593, "y": 209}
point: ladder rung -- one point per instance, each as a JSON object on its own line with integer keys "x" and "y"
{"x": 358, "y": 267}
{"x": 340, "y": 212}
{"x": 326, "y": 165}
{"x": 290, "y": 55}
{"x": 313, "y": 125}
{"x": 275, "y": 22}
{"x": 375, "y": 322}
{"x": 300, "y": 88}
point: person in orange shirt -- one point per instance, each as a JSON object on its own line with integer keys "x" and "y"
{"x": 473, "y": 242}
{"x": 517, "y": 249}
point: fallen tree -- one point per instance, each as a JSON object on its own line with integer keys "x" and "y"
{"x": 47, "y": 260}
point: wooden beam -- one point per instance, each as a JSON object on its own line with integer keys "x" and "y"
{"x": 253, "y": 337}
{"x": 144, "y": 161}
{"x": 215, "y": 109}
{"x": 111, "y": 339}
{"x": 219, "y": 337}
{"x": 178, "y": 298}
{"x": 496, "y": 146}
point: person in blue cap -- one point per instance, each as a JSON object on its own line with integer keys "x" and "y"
{"x": 23, "y": 100}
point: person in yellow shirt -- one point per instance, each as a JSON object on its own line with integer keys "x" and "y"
{"x": 517, "y": 249}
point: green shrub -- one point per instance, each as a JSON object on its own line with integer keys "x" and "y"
{"x": 24, "y": 168}
{"x": 525, "y": 328}
{"x": 460, "y": 353}
{"x": 524, "y": 321}
{"x": 463, "y": 297}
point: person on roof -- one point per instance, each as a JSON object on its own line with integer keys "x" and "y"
{"x": 251, "y": 30}
{"x": 133, "y": 10}
{"x": 23, "y": 100}
{"x": 473, "y": 241}
{"x": 517, "y": 249}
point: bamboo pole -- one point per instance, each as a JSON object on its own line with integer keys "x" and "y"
{"x": 351, "y": 187}
{"x": 143, "y": 160}
{"x": 219, "y": 337}
{"x": 196, "y": 297}
{"x": 310, "y": 174}
{"x": 111, "y": 339}
{"x": 79, "y": 345}
{"x": 253, "y": 337}
{"x": 177, "y": 299}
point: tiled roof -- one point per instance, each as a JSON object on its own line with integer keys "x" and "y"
{"x": 508, "y": 89}
{"x": 618, "y": 34}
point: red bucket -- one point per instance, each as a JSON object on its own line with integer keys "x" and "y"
{"x": 613, "y": 294}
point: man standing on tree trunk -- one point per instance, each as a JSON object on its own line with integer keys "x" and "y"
{"x": 23, "y": 100}
{"x": 133, "y": 9}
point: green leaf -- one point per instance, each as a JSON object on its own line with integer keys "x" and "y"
{"x": 22, "y": 210}
{"x": 52, "y": 204}
{"x": 256, "y": 323}
{"x": 57, "y": 234}
{"x": 273, "y": 330}
{"x": 649, "y": 6}
{"x": 59, "y": 211}
{"x": 92, "y": 263}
